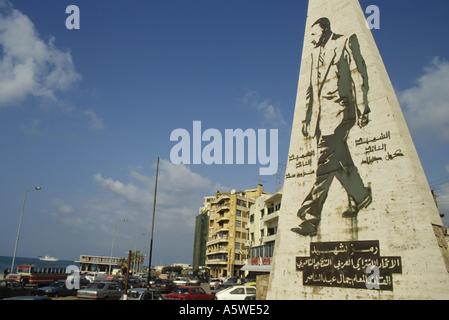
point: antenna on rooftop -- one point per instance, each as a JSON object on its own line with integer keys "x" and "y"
{"x": 278, "y": 178}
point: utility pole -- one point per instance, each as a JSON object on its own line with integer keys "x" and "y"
{"x": 152, "y": 228}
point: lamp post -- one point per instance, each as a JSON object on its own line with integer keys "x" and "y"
{"x": 112, "y": 249}
{"x": 20, "y": 223}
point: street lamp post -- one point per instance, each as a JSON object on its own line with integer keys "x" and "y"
{"x": 20, "y": 223}
{"x": 112, "y": 249}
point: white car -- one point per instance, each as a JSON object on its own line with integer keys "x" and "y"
{"x": 181, "y": 281}
{"x": 236, "y": 293}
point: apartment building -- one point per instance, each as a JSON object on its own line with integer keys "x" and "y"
{"x": 227, "y": 244}
{"x": 262, "y": 229}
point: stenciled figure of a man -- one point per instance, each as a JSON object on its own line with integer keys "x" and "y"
{"x": 335, "y": 104}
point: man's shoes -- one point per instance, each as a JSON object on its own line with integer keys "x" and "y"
{"x": 354, "y": 210}
{"x": 307, "y": 228}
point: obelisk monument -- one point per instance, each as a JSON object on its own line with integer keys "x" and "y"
{"x": 358, "y": 220}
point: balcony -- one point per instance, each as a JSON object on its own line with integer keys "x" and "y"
{"x": 271, "y": 216}
{"x": 269, "y": 238}
{"x": 216, "y": 239}
{"x": 216, "y": 261}
{"x": 217, "y": 250}
{"x": 221, "y": 218}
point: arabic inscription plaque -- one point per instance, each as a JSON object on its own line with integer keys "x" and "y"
{"x": 344, "y": 264}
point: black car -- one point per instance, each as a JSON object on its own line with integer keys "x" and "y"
{"x": 12, "y": 288}
{"x": 163, "y": 285}
{"x": 56, "y": 289}
{"x": 28, "y": 298}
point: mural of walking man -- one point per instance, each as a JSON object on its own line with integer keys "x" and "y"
{"x": 335, "y": 104}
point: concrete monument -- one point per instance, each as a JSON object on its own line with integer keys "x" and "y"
{"x": 358, "y": 220}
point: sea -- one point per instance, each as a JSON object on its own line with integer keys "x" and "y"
{"x": 5, "y": 263}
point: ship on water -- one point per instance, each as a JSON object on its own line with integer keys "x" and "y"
{"x": 48, "y": 258}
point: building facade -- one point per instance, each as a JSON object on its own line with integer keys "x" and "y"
{"x": 262, "y": 229}
{"x": 201, "y": 237}
{"x": 97, "y": 263}
{"x": 227, "y": 245}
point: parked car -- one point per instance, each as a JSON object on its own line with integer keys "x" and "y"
{"x": 222, "y": 287}
{"x": 95, "y": 276}
{"x": 232, "y": 280}
{"x": 236, "y": 293}
{"x": 83, "y": 282}
{"x": 163, "y": 285}
{"x": 142, "y": 294}
{"x": 100, "y": 291}
{"x": 134, "y": 284}
{"x": 250, "y": 282}
{"x": 56, "y": 289}
{"x": 12, "y": 288}
{"x": 194, "y": 281}
{"x": 28, "y": 298}
{"x": 181, "y": 281}
{"x": 189, "y": 293}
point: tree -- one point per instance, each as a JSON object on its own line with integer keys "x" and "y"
{"x": 137, "y": 258}
{"x": 123, "y": 264}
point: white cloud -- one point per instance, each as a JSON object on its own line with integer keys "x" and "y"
{"x": 425, "y": 106}
{"x": 129, "y": 191}
{"x": 62, "y": 207}
{"x": 179, "y": 195}
{"x": 32, "y": 128}
{"x": 30, "y": 66}
{"x": 271, "y": 115}
{"x": 95, "y": 122}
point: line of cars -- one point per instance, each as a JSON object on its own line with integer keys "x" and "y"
{"x": 114, "y": 290}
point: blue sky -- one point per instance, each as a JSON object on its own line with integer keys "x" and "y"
{"x": 85, "y": 113}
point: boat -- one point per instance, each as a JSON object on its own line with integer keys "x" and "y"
{"x": 48, "y": 258}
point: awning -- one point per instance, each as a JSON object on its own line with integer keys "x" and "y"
{"x": 257, "y": 268}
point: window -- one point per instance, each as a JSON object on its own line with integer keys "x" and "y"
{"x": 238, "y": 291}
{"x": 251, "y": 218}
{"x": 241, "y": 203}
{"x": 250, "y": 291}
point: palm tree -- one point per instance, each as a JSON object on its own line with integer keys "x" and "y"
{"x": 138, "y": 258}
{"x": 123, "y": 264}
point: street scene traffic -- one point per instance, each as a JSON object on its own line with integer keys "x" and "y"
{"x": 101, "y": 286}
